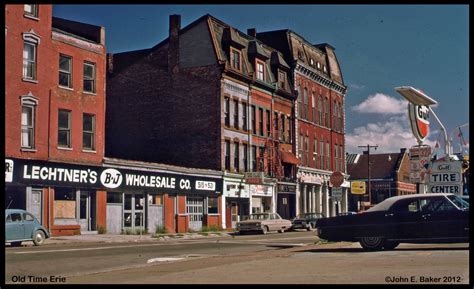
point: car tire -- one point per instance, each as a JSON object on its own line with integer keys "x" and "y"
{"x": 265, "y": 230}
{"x": 15, "y": 244}
{"x": 390, "y": 245}
{"x": 372, "y": 243}
{"x": 38, "y": 238}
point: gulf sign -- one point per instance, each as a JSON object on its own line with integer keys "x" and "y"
{"x": 419, "y": 120}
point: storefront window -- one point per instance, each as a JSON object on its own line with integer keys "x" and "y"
{"x": 155, "y": 200}
{"x": 212, "y": 205}
{"x": 64, "y": 203}
{"x": 114, "y": 198}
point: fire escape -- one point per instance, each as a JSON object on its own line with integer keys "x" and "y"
{"x": 273, "y": 165}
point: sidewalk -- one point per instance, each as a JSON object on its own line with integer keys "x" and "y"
{"x": 122, "y": 238}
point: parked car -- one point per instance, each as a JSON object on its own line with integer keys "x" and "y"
{"x": 419, "y": 218}
{"x": 306, "y": 221}
{"x": 21, "y": 226}
{"x": 264, "y": 222}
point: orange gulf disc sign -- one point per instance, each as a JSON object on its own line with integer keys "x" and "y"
{"x": 419, "y": 120}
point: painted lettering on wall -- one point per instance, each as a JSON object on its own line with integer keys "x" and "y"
{"x": 59, "y": 174}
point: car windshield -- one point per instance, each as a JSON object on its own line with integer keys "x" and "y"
{"x": 308, "y": 216}
{"x": 258, "y": 217}
{"x": 458, "y": 201}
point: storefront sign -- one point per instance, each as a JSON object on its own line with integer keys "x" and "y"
{"x": 254, "y": 177}
{"x": 56, "y": 174}
{"x": 419, "y": 156}
{"x": 310, "y": 178}
{"x": 358, "y": 188}
{"x": 286, "y": 188}
{"x": 445, "y": 177}
{"x": 419, "y": 120}
{"x": 8, "y": 171}
{"x": 236, "y": 189}
{"x": 261, "y": 190}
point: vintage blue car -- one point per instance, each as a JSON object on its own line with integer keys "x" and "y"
{"x": 418, "y": 218}
{"x": 22, "y": 226}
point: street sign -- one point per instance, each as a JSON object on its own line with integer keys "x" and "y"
{"x": 419, "y": 156}
{"x": 336, "y": 179}
{"x": 337, "y": 194}
{"x": 358, "y": 187}
{"x": 446, "y": 177}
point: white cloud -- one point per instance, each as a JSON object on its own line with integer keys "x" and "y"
{"x": 390, "y": 136}
{"x": 382, "y": 104}
{"x": 356, "y": 86}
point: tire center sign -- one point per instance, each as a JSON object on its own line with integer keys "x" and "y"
{"x": 445, "y": 177}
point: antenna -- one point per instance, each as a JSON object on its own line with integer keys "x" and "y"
{"x": 9, "y": 204}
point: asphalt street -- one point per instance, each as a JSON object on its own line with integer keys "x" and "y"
{"x": 292, "y": 258}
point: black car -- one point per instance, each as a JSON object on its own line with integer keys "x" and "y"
{"x": 418, "y": 218}
{"x": 306, "y": 221}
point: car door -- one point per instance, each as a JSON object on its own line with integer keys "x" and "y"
{"x": 15, "y": 229}
{"x": 404, "y": 220}
{"x": 28, "y": 225}
{"x": 442, "y": 219}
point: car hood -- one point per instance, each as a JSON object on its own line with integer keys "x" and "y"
{"x": 251, "y": 221}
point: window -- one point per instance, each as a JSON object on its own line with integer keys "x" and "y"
{"x": 313, "y": 105}
{"x": 27, "y": 217}
{"x": 306, "y": 148}
{"x": 260, "y": 121}
{"x": 301, "y": 149}
{"x": 244, "y": 116}
{"x": 305, "y": 99}
{"x": 64, "y": 128}
{"x": 254, "y": 158}
{"x": 319, "y": 65}
{"x": 236, "y": 157}
{"x": 269, "y": 121}
{"x": 275, "y": 127}
{"x": 282, "y": 79}
{"x": 282, "y": 129}
{"x": 212, "y": 205}
{"x": 28, "y": 126}
{"x": 315, "y": 152}
{"x": 336, "y": 162}
{"x": 226, "y": 111}
{"x": 227, "y": 155}
{"x": 89, "y": 77}
{"x": 88, "y": 131}
{"x": 300, "y": 102}
{"x": 290, "y": 130}
{"x": 341, "y": 158}
{"x": 334, "y": 115}
{"x": 320, "y": 109}
{"x": 236, "y": 114}
{"x": 260, "y": 70}
{"x": 31, "y": 10}
{"x": 235, "y": 59}
{"x": 324, "y": 68}
{"x": 321, "y": 154}
{"x": 254, "y": 119}
{"x": 65, "y": 71}
{"x": 326, "y": 109}
{"x": 114, "y": 198}
{"x": 261, "y": 158}
{"x": 29, "y": 60}
{"x": 328, "y": 156}
{"x": 245, "y": 148}
{"x": 341, "y": 117}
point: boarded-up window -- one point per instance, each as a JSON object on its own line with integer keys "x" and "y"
{"x": 65, "y": 209}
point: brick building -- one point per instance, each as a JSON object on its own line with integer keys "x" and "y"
{"x": 207, "y": 97}
{"x": 55, "y": 113}
{"x": 389, "y": 176}
{"x": 319, "y": 125}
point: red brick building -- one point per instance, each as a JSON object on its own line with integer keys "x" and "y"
{"x": 55, "y": 113}
{"x": 319, "y": 127}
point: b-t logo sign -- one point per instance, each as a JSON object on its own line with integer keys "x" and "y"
{"x": 111, "y": 178}
{"x": 419, "y": 120}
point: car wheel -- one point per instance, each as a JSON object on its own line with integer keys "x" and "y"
{"x": 265, "y": 230}
{"x": 390, "y": 245}
{"x": 281, "y": 230}
{"x": 372, "y": 243}
{"x": 15, "y": 244}
{"x": 38, "y": 238}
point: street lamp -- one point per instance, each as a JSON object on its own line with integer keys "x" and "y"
{"x": 368, "y": 168}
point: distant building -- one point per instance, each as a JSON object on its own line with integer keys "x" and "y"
{"x": 55, "y": 113}
{"x": 389, "y": 176}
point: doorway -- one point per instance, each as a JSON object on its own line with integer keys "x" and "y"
{"x": 133, "y": 211}
{"x": 34, "y": 203}
{"x": 194, "y": 209}
{"x": 87, "y": 208}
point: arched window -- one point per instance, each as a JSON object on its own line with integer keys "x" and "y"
{"x": 305, "y": 99}
{"x": 320, "y": 110}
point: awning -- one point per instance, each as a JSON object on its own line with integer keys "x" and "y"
{"x": 289, "y": 158}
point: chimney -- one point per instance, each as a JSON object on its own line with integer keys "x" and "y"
{"x": 173, "y": 43}
{"x": 252, "y": 32}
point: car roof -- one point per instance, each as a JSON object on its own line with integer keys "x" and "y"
{"x": 387, "y": 203}
{"x": 15, "y": 211}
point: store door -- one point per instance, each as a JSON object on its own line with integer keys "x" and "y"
{"x": 194, "y": 209}
{"x": 133, "y": 212}
{"x": 84, "y": 211}
{"x": 33, "y": 204}
{"x": 234, "y": 214}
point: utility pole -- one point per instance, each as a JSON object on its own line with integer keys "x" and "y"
{"x": 368, "y": 168}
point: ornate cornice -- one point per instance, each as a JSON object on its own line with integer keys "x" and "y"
{"x": 321, "y": 79}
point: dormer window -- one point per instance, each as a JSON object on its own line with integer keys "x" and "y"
{"x": 319, "y": 65}
{"x": 324, "y": 68}
{"x": 260, "y": 69}
{"x": 281, "y": 79}
{"x": 311, "y": 62}
{"x": 235, "y": 59}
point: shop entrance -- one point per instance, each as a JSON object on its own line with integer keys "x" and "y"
{"x": 133, "y": 212}
{"x": 194, "y": 209}
{"x": 33, "y": 203}
{"x": 86, "y": 211}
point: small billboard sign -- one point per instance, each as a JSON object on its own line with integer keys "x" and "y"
{"x": 446, "y": 177}
{"x": 358, "y": 188}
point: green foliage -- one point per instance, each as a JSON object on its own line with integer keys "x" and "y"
{"x": 161, "y": 230}
{"x": 101, "y": 230}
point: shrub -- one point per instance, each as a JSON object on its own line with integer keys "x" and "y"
{"x": 101, "y": 230}
{"x": 161, "y": 230}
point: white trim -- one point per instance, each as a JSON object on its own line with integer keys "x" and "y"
{"x": 31, "y": 36}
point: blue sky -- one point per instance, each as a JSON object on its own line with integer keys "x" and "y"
{"x": 378, "y": 47}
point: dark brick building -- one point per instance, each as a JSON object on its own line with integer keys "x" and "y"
{"x": 194, "y": 100}
{"x": 55, "y": 104}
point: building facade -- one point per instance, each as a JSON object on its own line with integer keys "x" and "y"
{"x": 218, "y": 106}
{"x": 319, "y": 115}
{"x": 55, "y": 113}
